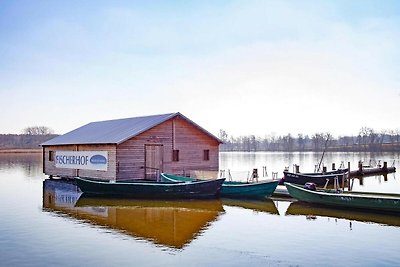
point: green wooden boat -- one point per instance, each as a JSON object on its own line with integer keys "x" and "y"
{"x": 233, "y": 189}
{"x": 360, "y": 200}
{"x": 150, "y": 189}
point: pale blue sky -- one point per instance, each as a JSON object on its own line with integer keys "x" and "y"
{"x": 248, "y": 67}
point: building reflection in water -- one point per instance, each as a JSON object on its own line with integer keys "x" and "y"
{"x": 169, "y": 223}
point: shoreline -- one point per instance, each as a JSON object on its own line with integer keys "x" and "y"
{"x": 20, "y": 150}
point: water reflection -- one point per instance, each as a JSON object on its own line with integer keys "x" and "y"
{"x": 30, "y": 163}
{"x": 312, "y": 211}
{"x": 267, "y": 205}
{"x": 60, "y": 195}
{"x": 169, "y": 223}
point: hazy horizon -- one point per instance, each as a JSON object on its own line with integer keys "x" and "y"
{"x": 247, "y": 67}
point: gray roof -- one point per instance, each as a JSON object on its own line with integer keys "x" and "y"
{"x": 115, "y": 131}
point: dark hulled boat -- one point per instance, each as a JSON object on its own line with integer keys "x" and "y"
{"x": 317, "y": 178}
{"x": 150, "y": 189}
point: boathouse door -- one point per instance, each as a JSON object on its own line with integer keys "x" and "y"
{"x": 153, "y": 161}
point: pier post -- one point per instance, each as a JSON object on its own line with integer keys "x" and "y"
{"x": 360, "y": 167}
{"x": 343, "y": 176}
{"x": 297, "y": 167}
{"x": 348, "y": 169}
{"x": 333, "y": 166}
{"x": 254, "y": 175}
{"x": 324, "y": 169}
{"x": 384, "y": 166}
{"x": 265, "y": 173}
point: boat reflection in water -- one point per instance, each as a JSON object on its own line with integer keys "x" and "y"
{"x": 266, "y": 205}
{"x": 311, "y": 211}
{"x": 172, "y": 223}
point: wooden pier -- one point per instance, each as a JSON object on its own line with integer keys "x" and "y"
{"x": 361, "y": 171}
{"x": 369, "y": 171}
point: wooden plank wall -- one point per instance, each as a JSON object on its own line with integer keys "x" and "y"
{"x": 131, "y": 153}
{"x": 191, "y": 142}
{"x": 188, "y": 139}
{"x": 50, "y": 166}
{"x": 110, "y": 174}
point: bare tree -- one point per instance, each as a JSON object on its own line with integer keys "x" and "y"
{"x": 223, "y": 135}
{"x": 37, "y": 130}
{"x": 369, "y": 138}
{"x": 317, "y": 141}
{"x": 287, "y": 142}
{"x": 301, "y": 142}
{"x": 252, "y": 143}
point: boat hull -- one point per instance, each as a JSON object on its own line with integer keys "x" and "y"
{"x": 234, "y": 189}
{"x": 248, "y": 190}
{"x": 140, "y": 189}
{"x": 319, "y": 179}
{"x": 359, "y": 200}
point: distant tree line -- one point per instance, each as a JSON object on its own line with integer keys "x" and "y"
{"x": 16, "y": 141}
{"x": 367, "y": 140}
{"x": 31, "y": 137}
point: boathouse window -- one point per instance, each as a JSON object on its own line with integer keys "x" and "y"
{"x": 206, "y": 154}
{"x": 175, "y": 155}
{"x": 51, "y": 155}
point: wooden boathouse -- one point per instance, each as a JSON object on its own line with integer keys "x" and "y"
{"x": 133, "y": 148}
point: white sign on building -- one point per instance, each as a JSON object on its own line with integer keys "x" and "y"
{"x": 85, "y": 160}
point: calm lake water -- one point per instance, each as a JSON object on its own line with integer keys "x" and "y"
{"x": 46, "y": 223}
